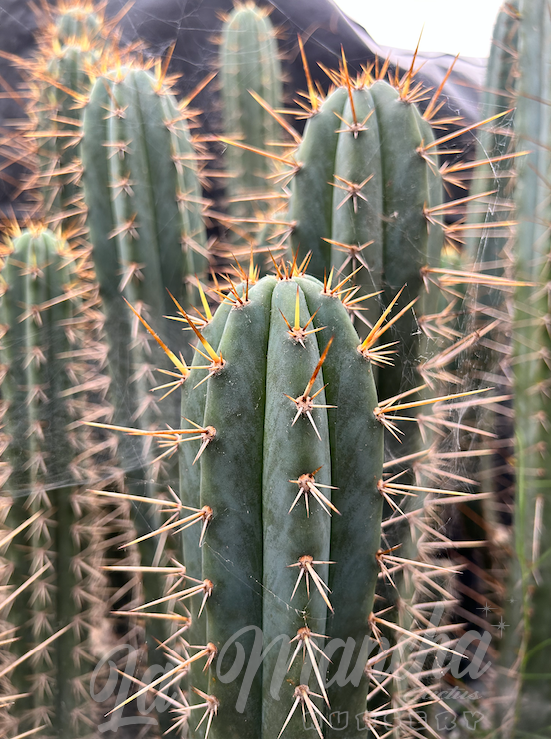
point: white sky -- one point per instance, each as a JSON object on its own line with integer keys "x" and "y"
{"x": 450, "y": 26}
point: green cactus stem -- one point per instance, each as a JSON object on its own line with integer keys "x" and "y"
{"x": 311, "y": 206}
{"x": 529, "y": 708}
{"x": 148, "y": 242}
{"x": 367, "y": 177}
{"x": 249, "y": 63}
{"x": 143, "y": 198}
{"x": 77, "y": 22}
{"x": 290, "y": 456}
{"x": 484, "y": 315}
{"x": 35, "y": 312}
{"x": 496, "y": 176}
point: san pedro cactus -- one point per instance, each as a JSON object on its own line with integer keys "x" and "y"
{"x": 249, "y": 63}
{"x": 148, "y": 244}
{"x": 142, "y": 191}
{"x": 286, "y": 485}
{"x": 484, "y": 310}
{"x": 495, "y": 179}
{"x": 36, "y": 312}
{"x": 366, "y": 179}
{"x": 72, "y": 38}
{"x": 367, "y": 176}
{"x": 144, "y": 214}
{"x": 528, "y": 710}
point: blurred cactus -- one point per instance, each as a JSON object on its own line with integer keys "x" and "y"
{"x": 527, "y": 707}
{"x": 76, "y": 19}
{"x": 58, "y": 133}
{"x": 144, "y": 214}
{"x": 73, "y": 42}
{"x": 37, "y": 311}
{"x": 149, "y": 245}
{"x": 249, "y": 65}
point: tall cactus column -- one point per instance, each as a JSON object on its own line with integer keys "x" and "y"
{"x": 68, "y": 74}
{"x": 531, "y": 364}
{"x": 290, "y": 456}
{"x": 366, "y": 179}
{"x": 144, "y": 210}
{"x": 35, "y": 312}
{"x": 249, "y": 63}
{"x": 148, "y": 239}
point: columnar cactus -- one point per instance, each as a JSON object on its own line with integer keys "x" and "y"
{"x": 484, "y": 313}
{"x": 142, "y": 193}
{"x": 367, "y": 175}
{"x": 72, "y": 38}
{"x": 148, "y": 243}
{"x": 286, "y": 483}
{"x": 144, "y": 213}
{"x": 36, "y": 313}
{"x": 249, "y": 63}
{"x": 529, "y": 709}
{"x": 495, "y": 178}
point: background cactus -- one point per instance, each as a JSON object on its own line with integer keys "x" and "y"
{"x": 249, "y": 63}
{"x": 74, "y": 39}
{"x": 69, "y": 54}
{"x": 58, "y": 132}
{"x": 37, "y": 310}
{"x": 148, "y": 238}
{"x": 353, "y": 213}
{"x": 77, "y": 20}
{"x": 148, "y": 244}
{"x": 531, "y": 575}
{"x": 484, "y": 322}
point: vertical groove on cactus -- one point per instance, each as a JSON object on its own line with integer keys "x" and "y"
{"x": 311, "y": 204}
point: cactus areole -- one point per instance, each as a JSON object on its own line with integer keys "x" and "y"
{"x": 284, "y": 473}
